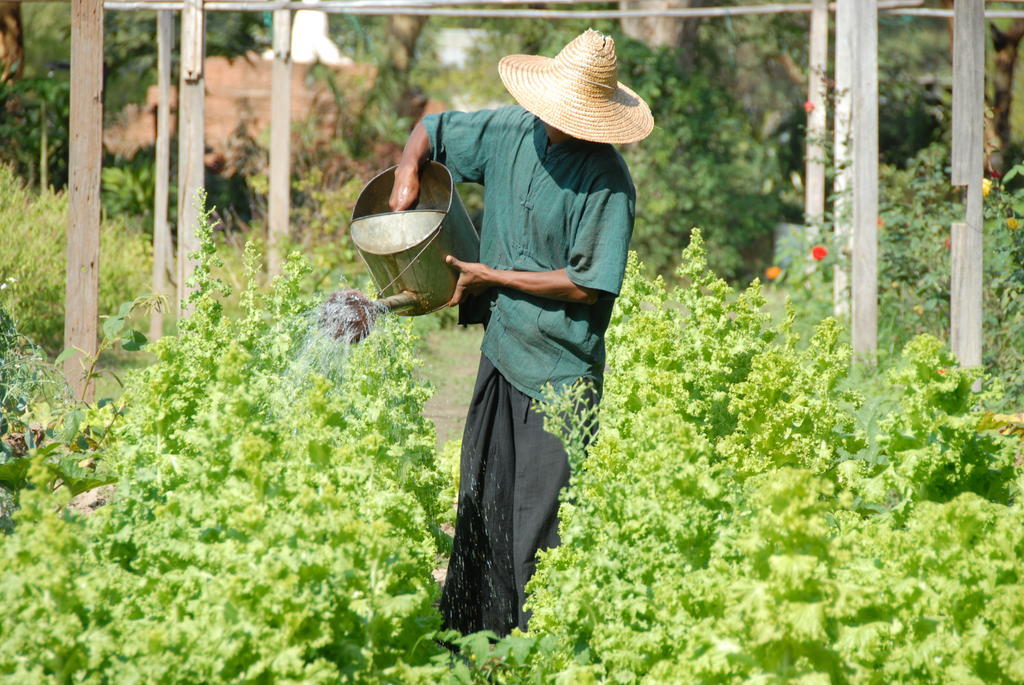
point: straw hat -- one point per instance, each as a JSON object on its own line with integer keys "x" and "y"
{"x": 578, "y": 91}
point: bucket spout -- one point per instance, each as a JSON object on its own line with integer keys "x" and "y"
{"x": 400, "y": 301}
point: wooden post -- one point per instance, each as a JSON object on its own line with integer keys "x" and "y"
{"x": 81, "y": 310}
{"x": 280, "y": 140}
{"x": 864, "y": 280}
{"x": 163, "y": 255}
{"x": 191, "y": 142}
{"x": 814, "y": 183}
{"x": 967, "y": 170}
{"x": 845, "y": 39}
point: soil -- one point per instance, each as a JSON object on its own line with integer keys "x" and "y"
{"x": 89, "y": 501}
{"x": 450, "y": 360}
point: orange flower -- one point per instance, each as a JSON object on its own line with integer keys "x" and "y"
{"x": 772, "y": 272}
{"x": 819, "y": 252}
{"x": 941, "y": 371}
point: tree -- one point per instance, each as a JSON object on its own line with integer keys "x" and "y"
{"x": 403, "y": 33}
{"x": 1006, "y": 42}
{"x": 12, "y": 43}
{"x": 664, "y": 32}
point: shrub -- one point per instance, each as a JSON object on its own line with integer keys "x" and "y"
{"x": 33, "y": 229}
{"x": 738, "y": 519}
{"x": 275, "y": 500}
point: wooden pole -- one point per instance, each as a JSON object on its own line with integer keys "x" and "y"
{"x": 280, "y": 140}
{"x": 814, "y": 184}
{"x": 967, "y": 170}
{"x": 191, "y": 143}
{"x": 845, "y": 39}
{"x": 81, "y": 309}
{"x": 864, "y": 280}
{"x": 162, "y": 253}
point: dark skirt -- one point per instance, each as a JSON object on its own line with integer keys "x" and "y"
{"x": 512, "y": 471}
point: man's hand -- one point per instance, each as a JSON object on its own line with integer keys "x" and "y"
{"x": 406, "y": 189}
{"x": 473, "y": 278}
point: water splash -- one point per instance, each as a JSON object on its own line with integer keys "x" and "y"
{"x": 342, "y": 320}
{"x": 348, "y": 315}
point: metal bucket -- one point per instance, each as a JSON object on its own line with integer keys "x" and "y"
{"x": 404, "y": 251}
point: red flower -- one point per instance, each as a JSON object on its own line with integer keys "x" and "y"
{"x": 995, "y": 174}
{"x": 808, "y": 106}
{"x": 881, "y": 224}
{"x": 941, "y": 371}
{"x": 818, "y": 252}
{"x": 948, "y": 244}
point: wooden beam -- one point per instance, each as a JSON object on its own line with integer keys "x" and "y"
{"x": 280, "y": 140}
{"x": 864, "y": 276}
{"x": 842, "y": 211}
{"x": 455, "y": 8}
{"x": 967, "y": 170}
{"x": 449, "y": 8}
{"x": 929, "y": 13}
{"x": 163, "y": 254}
{"x": 85, "y": 159}
{"x": 191, "y": 141}
{"x": 814, "y": 175}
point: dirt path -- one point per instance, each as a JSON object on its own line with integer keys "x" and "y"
{"x": 450, "y": 359}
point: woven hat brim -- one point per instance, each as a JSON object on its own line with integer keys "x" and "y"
{"x": 621, "y": 117}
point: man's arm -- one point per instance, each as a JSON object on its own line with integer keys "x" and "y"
{"x": 554, "y": 285}
{"x": 406, "y": 189}
{"x": 475, "y": 277}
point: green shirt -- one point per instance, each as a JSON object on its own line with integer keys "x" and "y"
{"x": 546, "y": 207}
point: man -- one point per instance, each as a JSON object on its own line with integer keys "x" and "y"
{"x": 558, "y": 215}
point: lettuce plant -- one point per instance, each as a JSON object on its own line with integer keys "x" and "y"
{"x": 273, "y": 518}
{"x": 736, "y": 519}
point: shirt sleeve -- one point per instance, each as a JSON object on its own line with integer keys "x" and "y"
{"x": 462, "y": 142}
{"x": 597, "y": 256}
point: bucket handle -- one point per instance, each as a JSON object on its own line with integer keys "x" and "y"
{"x": 411, "y": 261}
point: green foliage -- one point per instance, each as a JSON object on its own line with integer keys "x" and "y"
{"x": 275, "y": 500}
{"x": 918, "y": 208}
{"x": 737, "y": 519}
{"x": 129, "y": 186}
{"x": 704, "y": 165}
{"x": 25, "y": 375}
{"x": 929, "y": 447}
{"x": 34, "y": 128}
{"x": 33, "y": 229}
{"x": 38, "y": 418}
{"x": 116, "y": 331}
